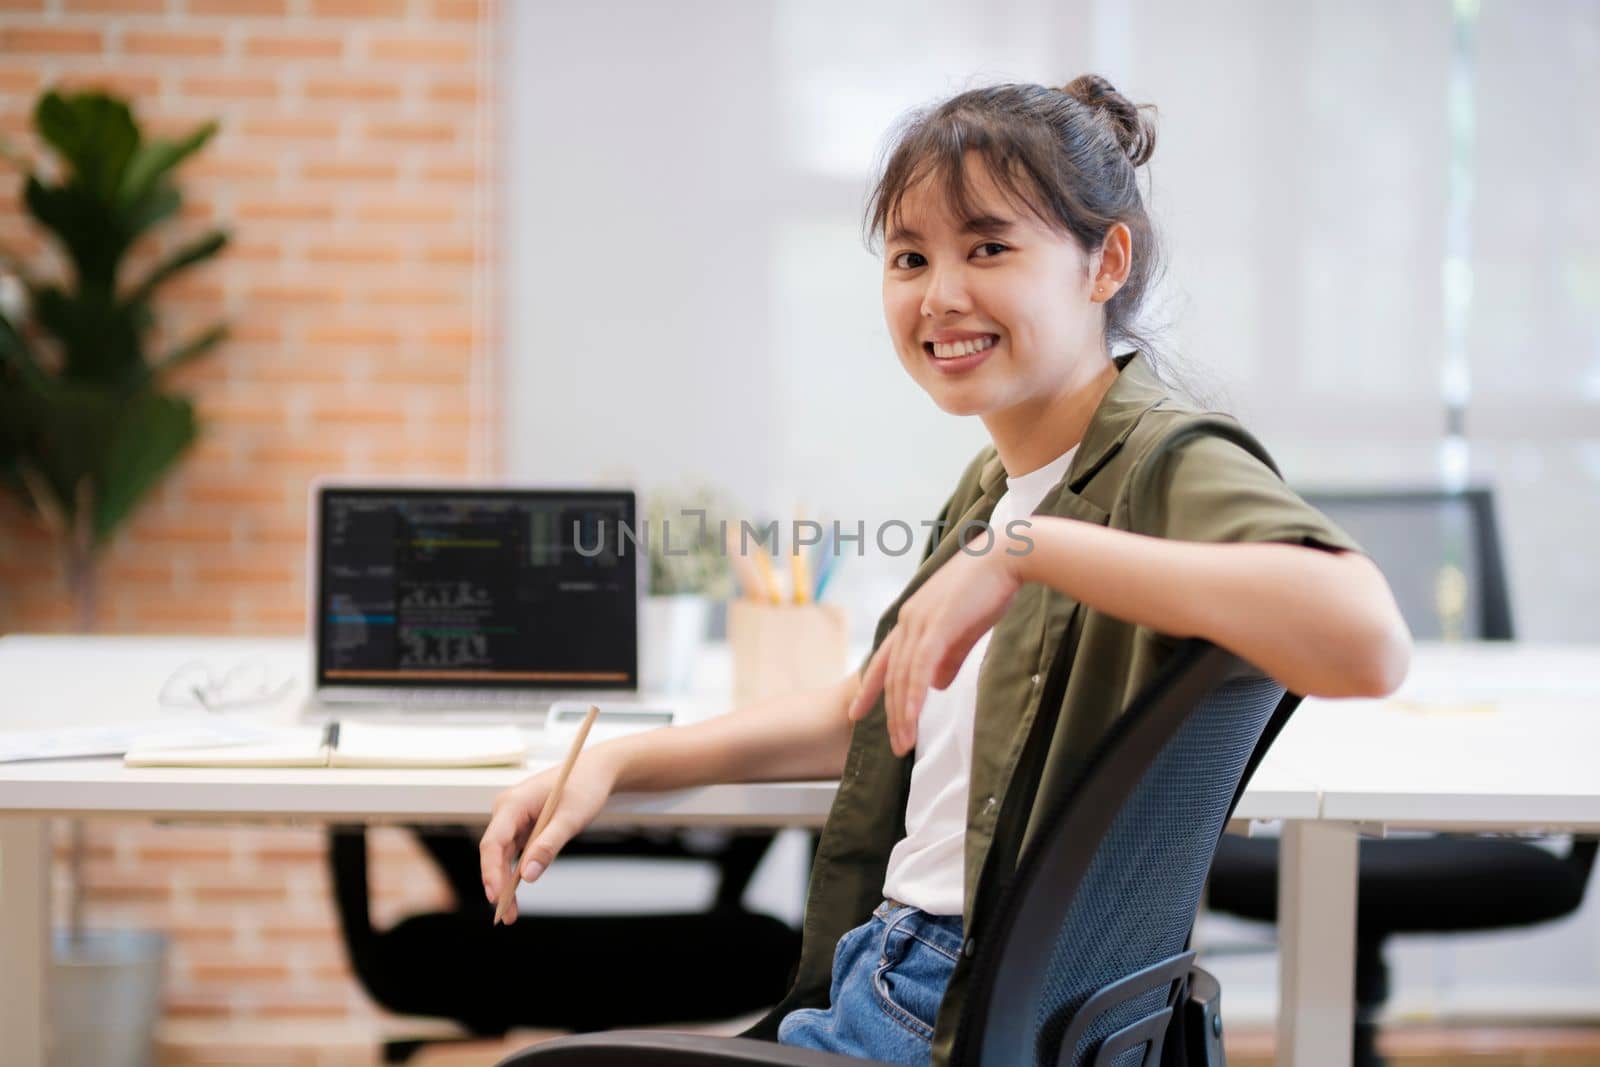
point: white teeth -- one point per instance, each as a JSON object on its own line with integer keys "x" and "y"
{"x": 963, "y": 348}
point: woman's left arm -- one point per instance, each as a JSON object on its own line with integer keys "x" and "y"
{"x": 1323, "y": 623}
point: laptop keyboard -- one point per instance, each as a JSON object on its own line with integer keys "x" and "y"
{"x": 480, "y": 698}
{"x": 407, "y": 702}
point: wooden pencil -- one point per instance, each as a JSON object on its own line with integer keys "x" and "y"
{"x": 509, "y": 893}
{"x": 744, "y": 569}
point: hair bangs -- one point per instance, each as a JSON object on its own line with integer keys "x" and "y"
{"x": 942, "y": 149}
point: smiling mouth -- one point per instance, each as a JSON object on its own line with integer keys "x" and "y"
{"x": 961, "y": 348}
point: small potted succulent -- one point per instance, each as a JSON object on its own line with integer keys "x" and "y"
{"x": 689, "y": 575}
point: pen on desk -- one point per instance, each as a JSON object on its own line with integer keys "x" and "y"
{"x": 799, "y": 569}
{"x": 769, "y": 579}
{"x": 510, "y": 891}
{"x": 830, "y": 563}
{"x": 821, "y": 563}
{"x": 745, "y": 571}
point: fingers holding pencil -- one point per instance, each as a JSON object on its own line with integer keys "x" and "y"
{"x": 564, "y": 807}
{"x": 506, "y": 906}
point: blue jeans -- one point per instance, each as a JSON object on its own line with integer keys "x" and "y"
{"x": 889, "y": 976}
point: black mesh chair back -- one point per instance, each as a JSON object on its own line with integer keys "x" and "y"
{"x": 1440, "y": 551}
{"x": 1086, "y": 962}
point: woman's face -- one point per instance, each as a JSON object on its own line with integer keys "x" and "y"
{"x": 989, "y": 312}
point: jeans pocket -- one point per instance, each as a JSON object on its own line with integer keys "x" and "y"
{"x": 849, "y": 945}
{"x": 910, "y": 981}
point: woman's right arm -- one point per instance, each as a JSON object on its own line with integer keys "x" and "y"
{"x": 796, "y": 737}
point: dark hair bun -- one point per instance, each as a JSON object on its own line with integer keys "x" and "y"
{"x": 1135, "y": 132}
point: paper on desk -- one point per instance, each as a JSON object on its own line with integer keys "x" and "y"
{"x": 114, "y": 739}
{"x": 616, "y": 719}
{"x": 358, "y": 744}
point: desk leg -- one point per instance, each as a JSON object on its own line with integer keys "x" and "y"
{"x": 1316, "y": 943}
{"x": 24, "y": 937}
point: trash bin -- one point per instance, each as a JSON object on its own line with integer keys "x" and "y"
{"x": 105, "y": 997}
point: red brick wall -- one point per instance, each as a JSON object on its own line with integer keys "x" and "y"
{"x": 352, "y": 168}
{"x": 253, "y": 934}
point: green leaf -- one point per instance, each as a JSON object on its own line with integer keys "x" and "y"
{"x": 11, "y": 473}
{"x": 94, "y": 133}
{"x": 122, "y": 442}
{"x": 13, "y": 425}
{"x": 153, "y": 160}
{"x": 20, "y": 380}
{"x": 152, "y": 433}
{"x": 95, "y": 239}
{"x": 161, "y": 202}
{"x": 100, "y": 336}
{"x": 24, "y": 369}
{"x": 69, "y": 427}
{"x": 194, "y": 252}
{"x": 23, "y": 384}
{"x": 191, "y": 350}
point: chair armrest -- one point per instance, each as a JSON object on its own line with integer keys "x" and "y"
{"x": 1198, "y": 1026}
{"x": 656, "y": 1048}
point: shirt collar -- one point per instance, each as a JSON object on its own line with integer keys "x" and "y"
{"x": 1135, "y": 392}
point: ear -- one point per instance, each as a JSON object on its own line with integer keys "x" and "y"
{"x": 1109, "y": 267}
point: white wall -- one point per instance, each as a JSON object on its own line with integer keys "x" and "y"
{"x": 688, "y": 299}
{"x": 637, "y": 240}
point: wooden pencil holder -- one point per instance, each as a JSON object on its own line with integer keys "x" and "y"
{"x": 781, "y": 648}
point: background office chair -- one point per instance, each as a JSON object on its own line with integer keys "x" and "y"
{"x": 1441, "y": 554}
{"x": 615, "y": 970}
{"x": 1085, "y": 958}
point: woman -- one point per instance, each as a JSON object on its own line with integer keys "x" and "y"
{"x": 1016, "y": 252}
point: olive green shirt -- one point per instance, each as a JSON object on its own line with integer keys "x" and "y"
{"x": 1148, "y": 463}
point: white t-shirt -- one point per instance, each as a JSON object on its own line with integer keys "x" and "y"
{"x": 926, "y": 867}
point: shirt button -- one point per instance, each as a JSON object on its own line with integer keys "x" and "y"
{"x": 970, "y": 949}
{"x": 1036, "y": 679}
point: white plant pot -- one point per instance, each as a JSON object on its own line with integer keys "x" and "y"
{"x": 672, "y": 630}
{"x": 105, "y": 997}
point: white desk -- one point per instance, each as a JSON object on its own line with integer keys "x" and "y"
{"x": 1481, "y": 738}
{"x": 1340, "y": 768}
{"x": 47, "y": 681}
{"x": 75, "y": 681}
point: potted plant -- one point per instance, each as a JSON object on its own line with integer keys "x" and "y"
{"x": 689, "y": 573}
{"x": 88, "y": 426}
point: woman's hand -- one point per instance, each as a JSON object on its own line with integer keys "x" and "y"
{"x": 517, "y": 809}
{"x": 936, "y": 628}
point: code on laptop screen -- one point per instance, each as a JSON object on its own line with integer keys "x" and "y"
{"x": 456, "y": 588}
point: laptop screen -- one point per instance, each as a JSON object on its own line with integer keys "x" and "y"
{"x": 476, "y": 588}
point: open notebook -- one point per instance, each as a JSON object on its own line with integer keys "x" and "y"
{"x": 353, "y": 744}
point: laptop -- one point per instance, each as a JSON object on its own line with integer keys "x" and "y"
{"x": 471, "y": 601}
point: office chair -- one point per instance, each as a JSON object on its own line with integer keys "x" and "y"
{"x": 1441, "y": 554}
{"x": 615, "y": 970}
{"x": 1440, "y": 551}
{"x": 1085, "y": 958}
